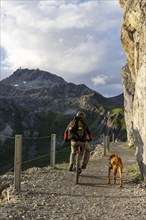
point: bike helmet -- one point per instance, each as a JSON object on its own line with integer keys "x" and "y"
{"x": 81, "y": 115}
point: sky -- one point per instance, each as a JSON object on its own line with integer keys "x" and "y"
{"x": 78, "y": 40}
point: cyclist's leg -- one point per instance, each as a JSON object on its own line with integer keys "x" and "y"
{"x": 86, "y": 154}
{"x": 75, "y": 145}
{"x": 72, "y": 155}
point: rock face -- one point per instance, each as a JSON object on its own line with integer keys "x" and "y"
{"x": 133, "y": 37}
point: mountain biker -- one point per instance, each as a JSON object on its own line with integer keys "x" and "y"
{"x": 78, "y": 134}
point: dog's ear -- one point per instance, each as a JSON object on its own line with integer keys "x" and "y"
{"x": 113, "y": 155}
{"x": 110, "y": 157}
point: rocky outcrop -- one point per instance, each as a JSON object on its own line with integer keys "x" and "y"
{"x": 129, "y": 90}
{"x": 133, "y": 37}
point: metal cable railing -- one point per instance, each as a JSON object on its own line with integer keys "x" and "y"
{"x": 36, "y": 158}
{"x": 18, "y": 154}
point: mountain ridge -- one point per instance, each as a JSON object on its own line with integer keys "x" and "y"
{"x": 38, "y": 107}
{"x": 22, "y": 77}
{"x": 43, "y": 87}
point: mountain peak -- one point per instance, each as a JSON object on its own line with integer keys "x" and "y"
{"x": 33, "y": 76}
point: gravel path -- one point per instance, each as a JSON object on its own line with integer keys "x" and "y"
{"x": 53, "y": 195}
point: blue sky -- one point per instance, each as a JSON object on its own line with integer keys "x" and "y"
{"x": 77, "y": 40}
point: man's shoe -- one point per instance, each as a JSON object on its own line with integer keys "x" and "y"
{"x": 83, "y": 166}
{"x": 70, "y": 168}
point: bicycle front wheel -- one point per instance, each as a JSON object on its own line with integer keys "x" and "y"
{"x": 77, "y": 169}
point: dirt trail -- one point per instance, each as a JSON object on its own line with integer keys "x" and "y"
{"x": 54, "y": 196}
{"x": 98, "y": 169}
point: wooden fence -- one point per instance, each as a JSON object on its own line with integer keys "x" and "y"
{"x": 18, "y": 158}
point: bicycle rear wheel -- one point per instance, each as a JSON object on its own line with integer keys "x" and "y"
{"x": 77, "y": 169}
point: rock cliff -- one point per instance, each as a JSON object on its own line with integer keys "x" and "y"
{"x": 133, "y": 37}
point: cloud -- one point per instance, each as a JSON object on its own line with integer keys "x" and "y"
{"x": 99, "y": 80}
{"x": 68, "y": 38}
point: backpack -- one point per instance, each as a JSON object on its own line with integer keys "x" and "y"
{"x": 76, "y": 130}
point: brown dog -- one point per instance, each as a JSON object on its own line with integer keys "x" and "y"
{"x": 115, "y": 163}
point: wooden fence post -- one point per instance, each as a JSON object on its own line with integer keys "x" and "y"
{"x": 113, "y": 137}
{"x": 17, "y": 161}
{"x": 101, "y": 138}
{"x": 108, "y": 142}
{"x": 104, "y": 144}
{"x": 53, "y": 149}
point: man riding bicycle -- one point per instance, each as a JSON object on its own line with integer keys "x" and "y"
{"x": 78, "y": 134}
